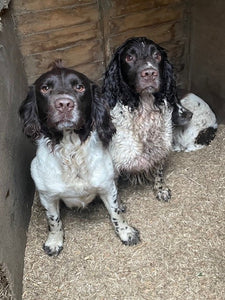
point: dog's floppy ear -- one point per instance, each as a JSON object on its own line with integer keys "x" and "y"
{"x": 168, "y": 91}
{"x": 100, "y": 114}
{"x": 29, "y": 115}
{"x": 112, "y": 81}
{"x": 114, "y": 87}
{"x": 168, "y": 88}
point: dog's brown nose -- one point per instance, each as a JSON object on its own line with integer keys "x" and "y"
{"x": 64, "y": 105}
{"x": 149, "y": 73}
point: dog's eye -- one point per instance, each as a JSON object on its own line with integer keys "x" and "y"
{"x": 157, "y": 56}
{"x": 45, "y": 89}
{"x": 129, "y": 58}
{"x": 79, "y": 88}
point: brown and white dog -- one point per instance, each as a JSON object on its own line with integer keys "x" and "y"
{"x": 71, "y": 125}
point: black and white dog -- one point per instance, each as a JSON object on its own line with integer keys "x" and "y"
{"x": 140, "y": 88}
{"x": 71, "y": 125}
{"x": 197, "y": 132}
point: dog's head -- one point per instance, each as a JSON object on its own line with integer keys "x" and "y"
{"x": 141, "y": 65}
{"x": 137, "y": 65}
{"x": 181, "y": 115}
{"x": 63, "y": 99}
{"x": 139, "y": 61}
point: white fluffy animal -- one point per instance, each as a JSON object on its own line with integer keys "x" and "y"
{"x": 200, "y": 130}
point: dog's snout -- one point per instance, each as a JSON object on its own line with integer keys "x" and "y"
{"x": 64, "y": 105}
{"x": 149, "y": 73}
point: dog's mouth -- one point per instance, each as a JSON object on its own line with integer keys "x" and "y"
{"x": 65, "y": 120}
{"x": 150, "y": 88}
{"x": 74, "y": 123}
{"x": 66, "y": 124}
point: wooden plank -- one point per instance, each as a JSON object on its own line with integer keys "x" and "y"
{"x": 55, "y": 19}
{"x": 81, "y": 54}
{"x": 175, "y": 50}
{"x": 126, "y": 7}
{"x": 159, "y": 3}
{"x": 23, "y": 6}
{"x": 58, "y": 39}
{"x": 159, "y": 34}
{"x": 149, "y": 18}
{"x": 93, "y": 71}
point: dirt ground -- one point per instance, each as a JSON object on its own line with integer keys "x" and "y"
{"x": 182, "y": 250}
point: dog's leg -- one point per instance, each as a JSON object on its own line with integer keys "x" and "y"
{"x": 54, "y": 243}
{"x": 163, "y": 193}
{"x": 128, "y": 235}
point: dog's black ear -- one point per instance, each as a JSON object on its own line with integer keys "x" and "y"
{"x": 28, "y": 112}
{"x": 114, "y": 86}
{"x": 112, "y": 81}
{"x": 100, "y": 115}
{"x": 168, "y": 89}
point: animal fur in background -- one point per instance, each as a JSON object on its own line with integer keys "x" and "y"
{"x": 70, "y": 123}
{"x": 140, "y": 88}
{"x": 200, "y": 130}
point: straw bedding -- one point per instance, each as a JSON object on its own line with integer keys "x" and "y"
{"x": 182, "y": 249}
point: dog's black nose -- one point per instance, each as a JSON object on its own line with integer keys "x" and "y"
{"x": 64, "y": 105}
{"x": 149, "y": 73}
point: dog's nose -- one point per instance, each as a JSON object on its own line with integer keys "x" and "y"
{"x": 149, "y": 73}
{"x": 64, "y": 105}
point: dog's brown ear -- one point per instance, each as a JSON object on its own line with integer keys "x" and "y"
{"x": 29, "y": 115}
{"x": 56, "y": 64}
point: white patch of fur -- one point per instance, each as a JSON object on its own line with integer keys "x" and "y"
{"x": 73, "y": 172}
{"x": 143, "y": 138}
{"x": 203, "y": 117}
{"x": 55, "y": 241}
{"x": 149, "y": 65}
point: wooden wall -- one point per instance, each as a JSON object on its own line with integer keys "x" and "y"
{"x": 84, "y": 33}
{"x": 207, "y": 54}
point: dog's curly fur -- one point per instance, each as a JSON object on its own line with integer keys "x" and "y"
{"x": 71, "y": 125}
{"x": 140, "y": 88}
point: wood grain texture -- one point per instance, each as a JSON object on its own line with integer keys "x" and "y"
{"x": 47, "y": 20}
{"x": 23, "y": 6}
{"x": 59, "y": 39}
{"x": 85, "y": 33}
{"x": 80, "y": 54}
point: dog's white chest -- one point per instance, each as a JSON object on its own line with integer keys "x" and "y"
{"x": 75, "y": 172}
{"x": 143, "y": 138}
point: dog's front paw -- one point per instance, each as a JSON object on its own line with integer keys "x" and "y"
{"x": 54, "y": 244}
{"x": 129, "y": 235}
{"x": 163, "y": 194}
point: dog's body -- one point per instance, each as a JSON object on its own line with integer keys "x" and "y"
{"x": 201, "y": 129}
{"x": 72, "y": 127}
{"x": 140, "y": 88}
